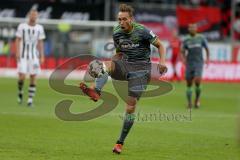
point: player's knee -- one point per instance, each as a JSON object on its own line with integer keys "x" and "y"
{"x": 197, "y": 84}
{"x": 21, "y": 77}
{"x": 32, "y": 77}
{"x": 197, "y": 81}
{"x": 130, "y": 109}
{"x": 189, "y": 83}
{"x": 131, "y": 101}
{"x": 131, "y": 104}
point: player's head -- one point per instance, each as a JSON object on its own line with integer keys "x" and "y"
{"x": 192, "y": 28}
{"x": 125, "y": 17}
{"x": 33, "y": 15}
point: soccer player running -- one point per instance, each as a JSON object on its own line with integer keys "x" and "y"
{"x": 192, "y": 56}
{"x": 29, "y": 54}
{"x": 131, "y": 63}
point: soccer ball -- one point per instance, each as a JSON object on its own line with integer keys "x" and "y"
{"x": 96, "y": 68}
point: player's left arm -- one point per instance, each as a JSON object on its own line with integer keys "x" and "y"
{"x": 19, "y": 35}
{"x": 41, "y": 51}
{"x": 162, "y": 62}
{"x": 205, "y": 45}
{"x": 40, "y": 45}
{"x": 183, "y": 52}
{"x": 118, "y": 55}
{"x": 154, "y": 40}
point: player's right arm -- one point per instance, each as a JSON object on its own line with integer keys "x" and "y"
{"x": 18, "y": 41}
{"x": 183, "y": 52}
{"x": 183, "y": 56}
{"x": 118, "y": 54}
{"x": 161, "y": 65}
{"x": 205, "y": 45}
{"x": 40, "y": 45}
{"x": 19, "y": 35}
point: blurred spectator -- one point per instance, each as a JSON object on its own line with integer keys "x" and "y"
{"x": 4, "y": 47}
{"x": 174, "y": 47}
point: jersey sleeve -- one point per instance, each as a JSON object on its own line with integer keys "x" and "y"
{"x": 19, "y": 32}
{"x": 150, "y": 36}
{"x": 41, "y": 34}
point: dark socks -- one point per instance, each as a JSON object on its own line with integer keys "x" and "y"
{"x": 189, "y": 94}
{"x": 198, "y": 92}
{"x": 20, "y": 90}
{"x": 31, "y": 93}
{"x": 127, "y": 125}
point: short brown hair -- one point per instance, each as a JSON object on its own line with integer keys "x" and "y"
{"x": 126, "y": 8}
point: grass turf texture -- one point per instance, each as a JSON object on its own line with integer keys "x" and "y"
{"x": 36, "y": 133}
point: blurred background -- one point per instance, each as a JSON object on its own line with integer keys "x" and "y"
{"x": 85, "y": 27}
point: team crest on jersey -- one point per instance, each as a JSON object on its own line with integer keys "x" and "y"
{"x": 135, "y": 39}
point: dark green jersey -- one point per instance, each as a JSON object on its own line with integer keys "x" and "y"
{"x": 194, "y": 46}
{"x": 135, "y": 46}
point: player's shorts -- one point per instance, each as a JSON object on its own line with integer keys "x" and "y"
{"x": 137, "y": 74}
{"x": 30, "y": 66}
{"x": 193, "y": 71}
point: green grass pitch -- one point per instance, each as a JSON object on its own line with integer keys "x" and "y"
{"x": 37, "y": 134}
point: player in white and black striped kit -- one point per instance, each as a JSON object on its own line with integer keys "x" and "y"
{"x": 30, "y": 53}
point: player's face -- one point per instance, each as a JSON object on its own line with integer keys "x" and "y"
{"x": 125, "y": 21}
{"x": 33, "y": 15}
{"x": 192, "y": 28}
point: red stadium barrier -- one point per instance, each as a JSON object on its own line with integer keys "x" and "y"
{"x": 215, "y": 71}
{"x": 236, "y": 53}
{"x": 3, "y": 61}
